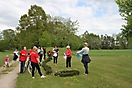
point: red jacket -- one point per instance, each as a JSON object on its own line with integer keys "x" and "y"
{"x": 34, "y": 56}
{"x": 23, "y": 55}
{"x": 68, "y": 53}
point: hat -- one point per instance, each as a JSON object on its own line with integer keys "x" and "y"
{"x": 68, "y": 46}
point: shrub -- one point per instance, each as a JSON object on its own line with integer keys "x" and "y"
{"x": 66, "y": 73}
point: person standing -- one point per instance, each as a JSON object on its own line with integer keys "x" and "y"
{"x": 40, "y": 54}
{"x": 85, "y": 57}
{"x": 44, "y": 52}
{"x": 23, "y": 58}
{"x": 55, "y": 54}
{"x": 15, "y": 55}
{"x": 68, "y": 56}
{"x": 34, "y": 62}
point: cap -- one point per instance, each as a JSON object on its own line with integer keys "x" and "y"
{"x": 68, "y": 46}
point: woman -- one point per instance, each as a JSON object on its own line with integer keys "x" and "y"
{"x": 85, "y": 57}
{"x": 68, "y": 56}
{"x": 55, "y": 55}
{"x": 34, "y": 62}
{"x": 15, "y": 55}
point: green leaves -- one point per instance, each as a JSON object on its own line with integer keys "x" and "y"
{"x": 125, "y": 9}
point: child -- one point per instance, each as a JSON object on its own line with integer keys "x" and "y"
{"x": 6, "y": 60}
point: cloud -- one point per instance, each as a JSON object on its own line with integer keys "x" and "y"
{"x": 95, "y": 16}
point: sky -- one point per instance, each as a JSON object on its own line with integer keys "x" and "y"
{"x": 95, "y": 16}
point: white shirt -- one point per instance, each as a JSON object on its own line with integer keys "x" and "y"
{"x": 84, "y": 50}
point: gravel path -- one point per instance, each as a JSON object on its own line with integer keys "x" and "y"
{"x": 9, "y": 80}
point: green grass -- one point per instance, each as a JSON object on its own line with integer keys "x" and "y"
{"x": 108, "y": 69}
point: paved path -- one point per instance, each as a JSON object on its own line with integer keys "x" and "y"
{"x": 9, "y": 80}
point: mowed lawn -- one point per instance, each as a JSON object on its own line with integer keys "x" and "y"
{"x": 108, "y": 69}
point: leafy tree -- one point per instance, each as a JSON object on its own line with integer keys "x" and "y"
{"x": 31, "y": 26}
{"x": 125, "y": 9}
{"x": 93, "y": 40}
{"x": 9, "y": 38}
{"x": 45, "y": 39}
{"x": 3, "y": 45}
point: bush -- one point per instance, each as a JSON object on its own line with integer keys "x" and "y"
{"x": 66, "y": 73}
{"x": 47, "y": 68}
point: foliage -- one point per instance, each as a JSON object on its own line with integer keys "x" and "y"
{"x": 66, "y": 73}
{"x": 48, "y": 69}
{"x": 32, "y": 25}
{"x": 125, "y": 9}
{"x": 92, "y": 39}
{"x": 3, "y": 45}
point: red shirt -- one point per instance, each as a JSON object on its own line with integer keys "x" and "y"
{"x": 23, "y": 55}
{"x": 6, "y": 59}
{"x": 34, "y": 56}
{"x": 68, "y": 53}
{"x": 30, "y": 53}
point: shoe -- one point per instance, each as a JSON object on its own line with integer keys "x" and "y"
{"x": 33, "y": 77}
{"x": 43, "y": 76}
{"x": 85, "y": 73}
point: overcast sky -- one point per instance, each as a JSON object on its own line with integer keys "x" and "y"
{"x": 95, "y": 16}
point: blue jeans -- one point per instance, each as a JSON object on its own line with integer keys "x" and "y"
{"x": 22, "y": 65}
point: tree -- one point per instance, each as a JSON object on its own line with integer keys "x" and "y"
{"x": 9, "y": 38}
{"x": 125, "y": 9}
{"x": 45, "y": 40}
{"x": 31, "y": 26}
{"x": 93, "y": 40}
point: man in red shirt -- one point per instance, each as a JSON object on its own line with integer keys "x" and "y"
{"x": 23, "y": 58}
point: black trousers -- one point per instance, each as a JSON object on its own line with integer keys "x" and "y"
{"x": 40, "y": 57}
{"x": 55, "y": 59}
{"x": 85, "y": 66}
{"x": 44, "y": 56}
{"x": 68, "y": 62}
{"x": 33, "y": 68}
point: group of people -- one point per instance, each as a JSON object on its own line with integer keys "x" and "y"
{"x": 36, "y": 54}
{"x": 85, "y": 57}
{"x": 34, "y": 58}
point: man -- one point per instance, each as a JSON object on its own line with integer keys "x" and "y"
{"x": 23, "y": 58}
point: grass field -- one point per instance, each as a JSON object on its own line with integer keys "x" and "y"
{"x": 108, "y": 69}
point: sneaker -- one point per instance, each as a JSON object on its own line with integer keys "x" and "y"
{"x": 33, "y": 77}
{"x": 85, "y": 74}
{"x": 43, "y": 76}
